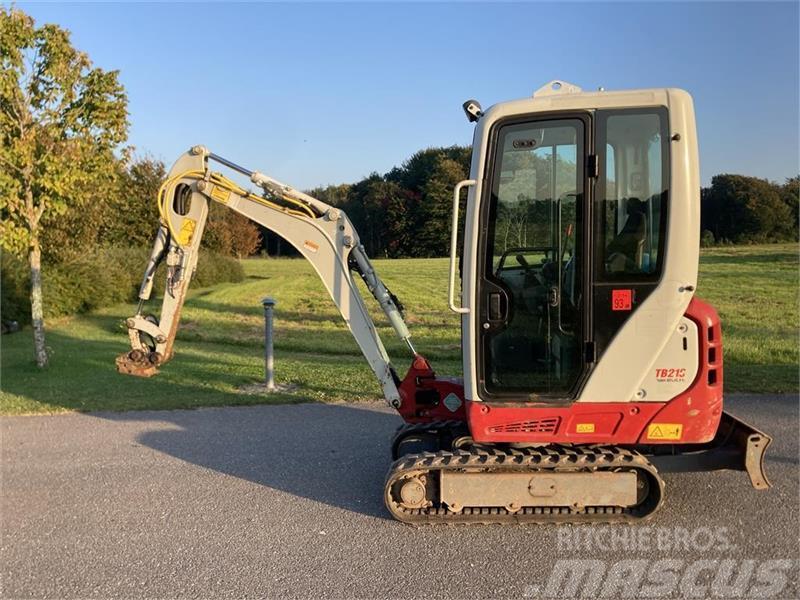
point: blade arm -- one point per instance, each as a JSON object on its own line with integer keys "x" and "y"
{"x": 737, "y": 446}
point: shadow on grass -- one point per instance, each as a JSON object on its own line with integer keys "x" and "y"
{"x": 333, "y": 454}
{"x": 82, "y": 376}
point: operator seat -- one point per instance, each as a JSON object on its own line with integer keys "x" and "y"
{"x": 624, "y": 253}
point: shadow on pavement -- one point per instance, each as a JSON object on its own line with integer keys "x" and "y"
{"x": 333, "y": 454}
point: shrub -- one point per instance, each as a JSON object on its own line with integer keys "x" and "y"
{"x": 707, "y": 239}
{"x": 14, "y": 300}
{"x": 229, "y": 233}
{"x": 105, "y": 277}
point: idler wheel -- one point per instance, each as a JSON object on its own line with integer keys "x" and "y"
{"x": 412, "y": 493}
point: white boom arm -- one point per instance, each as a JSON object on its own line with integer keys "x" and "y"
{"x": 321, "y": 233}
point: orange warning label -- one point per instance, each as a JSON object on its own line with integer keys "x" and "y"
{"x": 664, "y": 431}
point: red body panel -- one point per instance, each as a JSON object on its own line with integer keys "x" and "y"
{"x": 697, "y": 410}
{"x": 423, "y": 395}
{"x": 613, "y": 423}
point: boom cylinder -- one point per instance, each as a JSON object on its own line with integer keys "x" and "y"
{"x": 382, "y": 295}
{"x": 156, "y": 255}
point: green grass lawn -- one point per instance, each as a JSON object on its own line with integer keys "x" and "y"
{"x": 220, "y": 344}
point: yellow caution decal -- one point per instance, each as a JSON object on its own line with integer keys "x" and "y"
{"x": 220, "y": 194}
{"x": 584, "y": 428}
{"x": 664, "y": 431}
{"x": 186, "y": 232}
{"x": 310, "y": 246}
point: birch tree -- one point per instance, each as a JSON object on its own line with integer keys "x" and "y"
{"x": 61, "y": 120}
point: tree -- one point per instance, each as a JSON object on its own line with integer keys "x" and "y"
{"x": 335, "y": 195}
{"x": 66, "y": 236}
{"x": 790, "y": 193}
{"x": 416, "y": 171}
{"x": 744, "y": 209}
{"x": 366, "y": 209}
{"x": 246, "y": 237}
{"x": 230, "y": 233}
{"x": 134, "y": 207}
{"x": 400, "y": 207}
{"x": 60, "y": 122}
{"x": 434, "y": 225}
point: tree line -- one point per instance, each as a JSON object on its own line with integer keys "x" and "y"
{"x": 406, "y": 212}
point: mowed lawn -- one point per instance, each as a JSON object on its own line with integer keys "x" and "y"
{"x": 220, "y": 343}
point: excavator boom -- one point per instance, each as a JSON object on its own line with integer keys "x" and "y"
{"x": 321, "y": 233}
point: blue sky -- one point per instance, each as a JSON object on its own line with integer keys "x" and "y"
{"x": 322, "y": 93}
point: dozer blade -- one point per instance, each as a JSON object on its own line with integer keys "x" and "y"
{"x": 737, "y": 446}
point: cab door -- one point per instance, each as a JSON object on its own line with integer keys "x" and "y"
{"x": 531, "y": 293}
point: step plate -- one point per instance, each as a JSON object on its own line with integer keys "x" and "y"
{"x": 517, "y": 490}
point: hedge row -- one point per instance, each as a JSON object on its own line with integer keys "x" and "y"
{"x": 103, "y": 277}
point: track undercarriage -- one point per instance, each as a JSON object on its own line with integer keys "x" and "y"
{"x": 473, "y": 483}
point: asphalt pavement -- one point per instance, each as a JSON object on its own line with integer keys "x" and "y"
{"x": 286, "y": 501}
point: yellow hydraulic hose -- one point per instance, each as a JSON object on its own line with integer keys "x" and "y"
{"x": 223, "y": 182}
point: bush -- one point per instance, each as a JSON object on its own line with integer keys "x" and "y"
{"x": 229, "y": 233}
{"x": 105, "y": 277}
{"x": 707, "y": 239}
{"x": 14, "y": 299}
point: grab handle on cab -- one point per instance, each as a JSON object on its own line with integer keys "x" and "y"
{"x": 454, "y": 247}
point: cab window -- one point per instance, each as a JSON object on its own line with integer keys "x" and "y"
{"x": 632, "y": 193}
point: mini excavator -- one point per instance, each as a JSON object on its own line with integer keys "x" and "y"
{"x": 590, "y": 367}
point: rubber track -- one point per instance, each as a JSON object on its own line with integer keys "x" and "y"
{"x": 549, "y": 458}
{"x": 452, "y": 428}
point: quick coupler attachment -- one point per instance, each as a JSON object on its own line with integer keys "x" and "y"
{"x": 138, "y": 363}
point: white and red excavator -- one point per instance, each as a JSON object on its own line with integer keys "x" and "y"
{"x": 589, "y": 365}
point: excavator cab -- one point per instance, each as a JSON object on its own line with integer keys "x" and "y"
{"x": 586, "y": 181}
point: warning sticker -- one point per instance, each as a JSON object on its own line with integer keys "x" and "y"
{"x": 186, "y": 232}
{"x": 664, "y": 431}
{"x": 584, "y": 428}
{"x": 220, "y": 194}
{"x": 452, "y": 402}
{"x": 621, "y": 299}
{"x": 310, "y": 246}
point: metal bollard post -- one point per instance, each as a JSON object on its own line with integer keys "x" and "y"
{"x": 269, "y": 371}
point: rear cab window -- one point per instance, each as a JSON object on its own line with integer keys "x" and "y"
{"x": 632, "y": 194}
